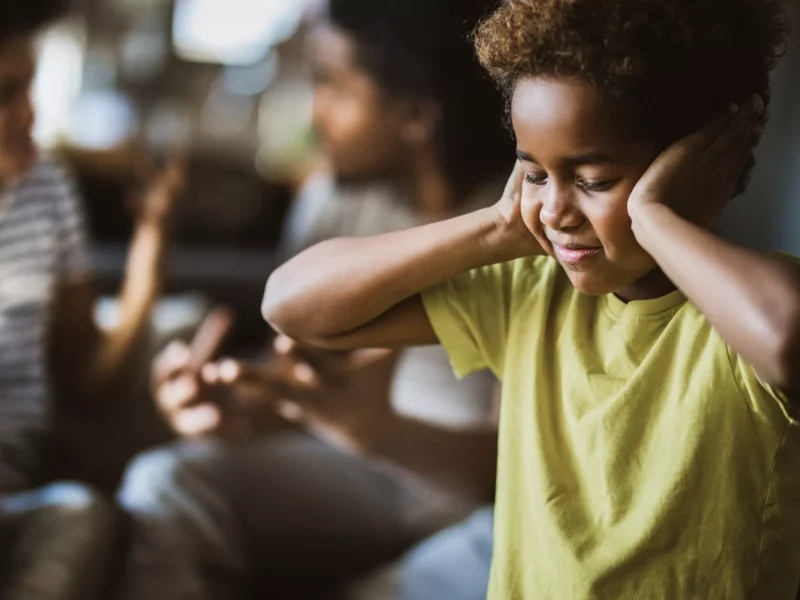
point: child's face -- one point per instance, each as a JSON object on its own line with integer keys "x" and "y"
{"x": 17, "y": 149}
{"x": 580, "y": 171}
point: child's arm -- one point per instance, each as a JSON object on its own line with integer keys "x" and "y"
{"x": 752, "y": 299}
{"x": 364, "y": 292}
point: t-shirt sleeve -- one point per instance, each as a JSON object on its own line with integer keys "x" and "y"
{"x": 470, "y": 314}
{"x": 753, "y": 386}
{"x": 74, "y": 262}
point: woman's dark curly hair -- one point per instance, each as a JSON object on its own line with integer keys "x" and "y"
{"x": 667, "y": 65}
{"x": 27, "y": 16}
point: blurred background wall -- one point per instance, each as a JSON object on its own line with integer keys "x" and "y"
{"x": 768, "y": 215}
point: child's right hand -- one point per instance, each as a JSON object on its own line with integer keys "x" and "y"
{"x": 512, "y": 238}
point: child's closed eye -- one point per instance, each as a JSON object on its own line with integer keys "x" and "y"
{"x": 535, "y": 179}
{"x": 596, "y": 186}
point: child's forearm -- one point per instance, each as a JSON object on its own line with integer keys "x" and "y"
{"x": 340, "y": 285}
{"x": 752, "y": 299}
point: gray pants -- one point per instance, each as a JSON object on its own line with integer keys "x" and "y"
{"x": 288, "y": 508}
{"x": 54, "y": 542}
{"x": 454, "y": 564}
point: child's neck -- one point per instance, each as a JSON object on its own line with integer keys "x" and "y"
{"x": 653, "y": 285}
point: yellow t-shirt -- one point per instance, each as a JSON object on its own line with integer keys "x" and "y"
{"x": 639, "y": 458}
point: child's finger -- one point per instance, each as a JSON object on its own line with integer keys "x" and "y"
{"x": 754, "y": 110}
{"x": 727, "y": 145}
{"x": 745, "y": 153}
{"x": 514, "y": 185}
{"x": 737, "y": 155}
{"x": 705, "y": 137}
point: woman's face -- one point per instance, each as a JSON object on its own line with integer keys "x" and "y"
{"x": 17, "y": 148}
{"x": 579, "y": 172}
{"x": 360, "y": 126}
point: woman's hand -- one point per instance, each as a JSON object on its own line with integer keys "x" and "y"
{"x": 163, "y": 191}
{"x": 344, "y": 395}
{"x": 207, "y": 402}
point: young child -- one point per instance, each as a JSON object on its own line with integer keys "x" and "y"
{"x": 649, "y": 446}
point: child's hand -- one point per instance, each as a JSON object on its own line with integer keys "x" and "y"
{"x": 697, "y": 175}
{"x": 513, "y": 238}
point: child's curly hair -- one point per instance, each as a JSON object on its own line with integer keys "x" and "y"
{"x": 667, "y": 65}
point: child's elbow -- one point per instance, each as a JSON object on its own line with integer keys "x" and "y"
{"x": 290, "y": 312}
{"x": 274, "y": 306}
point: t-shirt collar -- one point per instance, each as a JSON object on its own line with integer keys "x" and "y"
{"x": 638, "y": 309}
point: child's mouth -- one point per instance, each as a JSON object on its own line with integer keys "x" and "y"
{"x": 574, "y": 254}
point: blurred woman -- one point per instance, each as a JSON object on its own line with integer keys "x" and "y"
{"x": 410, "y": 132}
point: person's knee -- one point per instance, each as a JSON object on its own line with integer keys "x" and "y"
{"x": 71, "y": 511}
{"x": 452, "y": 564}
{"x": 152, "y": 479}
{"x": 77, "y": 502}
{"x": 177, "y": 508}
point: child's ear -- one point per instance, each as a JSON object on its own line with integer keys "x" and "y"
{"x": 422, "y": 123}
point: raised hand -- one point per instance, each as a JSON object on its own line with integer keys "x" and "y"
{"x": 162, "y": 193}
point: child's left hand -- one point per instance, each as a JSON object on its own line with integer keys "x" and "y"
{"x": 697, "y": 175}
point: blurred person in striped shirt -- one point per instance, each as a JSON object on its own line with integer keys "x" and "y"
{"x": 54, "y": 536}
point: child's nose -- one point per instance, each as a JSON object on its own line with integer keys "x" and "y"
{"x": 559, "y": 209}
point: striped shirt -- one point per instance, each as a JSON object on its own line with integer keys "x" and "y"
{"x": 42, "y": 247}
